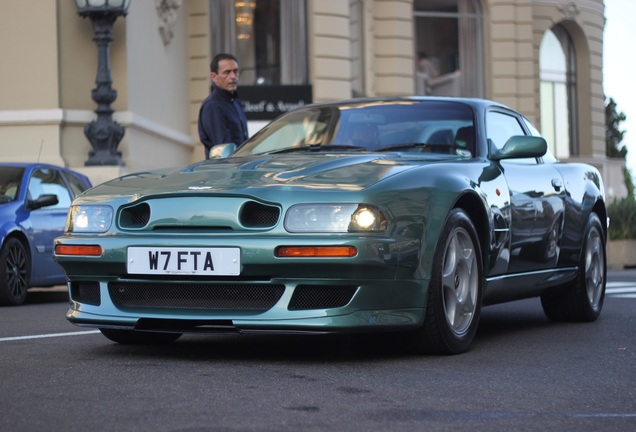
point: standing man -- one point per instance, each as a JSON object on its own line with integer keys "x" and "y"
{"x": 221, "y": 117}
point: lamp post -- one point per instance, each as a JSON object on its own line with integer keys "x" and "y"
{"x": 104, "y": 134}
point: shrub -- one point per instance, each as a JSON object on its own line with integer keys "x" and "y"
{"x": 622, "y": 215}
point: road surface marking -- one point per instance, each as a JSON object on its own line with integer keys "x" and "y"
{"x": 621, "y": 289}
{"x": 42, "y": 336}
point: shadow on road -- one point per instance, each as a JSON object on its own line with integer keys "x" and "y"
{"x": 500, "y": 326}
{"x": 47, "y": 295}
{"x": 512, "y": 318}
{"x": 258, "y": 348}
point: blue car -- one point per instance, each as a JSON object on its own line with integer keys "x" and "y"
{"x": 34, "y": 203}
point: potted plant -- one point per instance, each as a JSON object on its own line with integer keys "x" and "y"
{"x": 621, "y": 245}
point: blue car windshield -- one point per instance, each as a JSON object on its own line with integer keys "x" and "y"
{"x": 10, "y": 179}
{"x": 404, "y": 125}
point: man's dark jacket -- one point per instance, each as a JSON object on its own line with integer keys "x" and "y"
{"x": 221, "y": 120}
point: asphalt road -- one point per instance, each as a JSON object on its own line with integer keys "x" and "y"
{"x": 523, "y": 373}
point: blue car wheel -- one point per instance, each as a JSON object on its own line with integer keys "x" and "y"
{"x": 14, "y": 279}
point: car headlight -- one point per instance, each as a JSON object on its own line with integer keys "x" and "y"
{"x": 89, "y": 219}
{"x": 334, "y": 218}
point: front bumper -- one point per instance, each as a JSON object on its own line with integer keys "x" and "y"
{"x": 366, "y": 305}
{"x": 383, "y": 286}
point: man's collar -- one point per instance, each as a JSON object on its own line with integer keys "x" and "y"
{"x": 226, "y": 94}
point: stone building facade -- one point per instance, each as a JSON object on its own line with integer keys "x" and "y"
{"x": 542, "y": 57}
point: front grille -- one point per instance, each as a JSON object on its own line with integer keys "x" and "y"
{"x": 320, "y": 297}
{"x": 257, "y": 215}
{"x": 135, "y": 217}
{"x": 86, "y": 293}
{"x": 217, "y": 296}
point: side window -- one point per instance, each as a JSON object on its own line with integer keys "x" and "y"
{"x": 548, "y": 157}
{"x": 500, "y": 127}
{"x": 49, "y": 181}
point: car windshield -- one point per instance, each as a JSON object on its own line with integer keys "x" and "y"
{"x": 10, "y": 179}
{"x": 404, "y": 125}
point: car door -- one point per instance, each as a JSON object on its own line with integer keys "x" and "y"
{"x": 536, "y": 199}
{"x": 47, "y": 223}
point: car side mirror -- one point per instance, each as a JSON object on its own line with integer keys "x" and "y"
{"x": 44, "y": 200}
{"x": 520, "y": 146}
{"x": 222, "y": 151}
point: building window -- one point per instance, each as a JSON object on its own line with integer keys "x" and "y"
{"x": 449, "y": 44}
{"x": 268, "y": 37}
{"x": 558, "y": 92}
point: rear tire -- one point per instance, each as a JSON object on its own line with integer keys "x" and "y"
{"x": 582, "y": 300}
{"x": 455, "y": 290}
{"x": 14, "y": 276}
{"x": 132, "y": 337}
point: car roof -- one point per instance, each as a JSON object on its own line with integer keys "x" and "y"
{"x": 474, "y": 102}
{"x": 32, "y": 165}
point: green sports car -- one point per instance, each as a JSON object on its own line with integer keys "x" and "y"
{"x": 367, "y": 215}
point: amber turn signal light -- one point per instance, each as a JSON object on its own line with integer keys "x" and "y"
{"x": 315, "y": 251}
{"x": 87, "y": 250}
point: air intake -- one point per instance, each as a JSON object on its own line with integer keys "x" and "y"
{"x": 257, "y": 215}
{"x": 135, "y": 216}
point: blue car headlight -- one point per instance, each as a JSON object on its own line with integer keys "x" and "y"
{"x": 89, "y": 219}
{"x": 334, "y": 218}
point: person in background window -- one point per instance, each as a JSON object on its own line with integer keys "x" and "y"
{"x": 425, "y": 66}
{"x": 221, "y": 116}
{"x": 425, "y": 72}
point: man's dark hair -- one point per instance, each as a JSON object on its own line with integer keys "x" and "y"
{"x": 214, "y": 65}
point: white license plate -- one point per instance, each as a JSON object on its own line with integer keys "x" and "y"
{"x": 179, "y": 260}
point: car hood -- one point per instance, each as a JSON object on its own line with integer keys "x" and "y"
{"x": 266, "y": 172}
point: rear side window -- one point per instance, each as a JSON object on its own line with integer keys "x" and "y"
{"x": 76, "y": 184}
{"x": 10, "y": 180}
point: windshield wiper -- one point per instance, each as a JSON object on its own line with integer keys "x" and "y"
{"x": 318, "y": 148}
{"x": 402, "y": 146}
{"x": 424, "y": 148}
{"x": 340, "y": 147}
{"x": 289, "y": 150}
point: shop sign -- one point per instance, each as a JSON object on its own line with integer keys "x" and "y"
{"x": 268, "y": 102}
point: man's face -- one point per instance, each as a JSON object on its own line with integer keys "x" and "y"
{"x": 228, "y": 75}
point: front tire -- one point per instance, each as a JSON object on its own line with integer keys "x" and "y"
{"x": 582, "y": 301}
{"x": 455, "y": 290}
{"x": 15, "y": 267}
{"x": 132, "y": 337}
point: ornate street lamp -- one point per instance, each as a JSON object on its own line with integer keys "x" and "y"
{"x": 104, "y": 134}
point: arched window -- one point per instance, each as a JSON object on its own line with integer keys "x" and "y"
{"x": 449, "y": 47}
{"x": 558, "y": 92}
